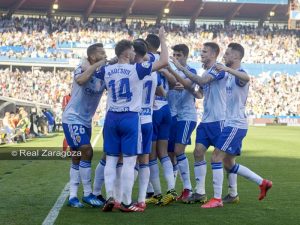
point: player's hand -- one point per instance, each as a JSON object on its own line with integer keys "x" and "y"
{"x": 161, "y": 33}
{"x": 176, "y": 63}
{"x": 163, "y": 70}
{"x": 221, "y": 67}
{"x": 178, "y": 86}
{"x": 101, "y": 62}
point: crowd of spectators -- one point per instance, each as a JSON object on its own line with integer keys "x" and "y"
{"x": 57, "y": 38}
{"x": 269, "y": 95}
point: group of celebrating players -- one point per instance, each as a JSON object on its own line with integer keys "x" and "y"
{"x": 151, "y": 114}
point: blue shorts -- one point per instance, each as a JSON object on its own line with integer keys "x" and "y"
{"x": 121, "y": 133}
{"x": 147, "y": 132}
{"x": 172, "y": 137}
{"x": 208, "y": 133}
{"x": 77, "y": 135}
{"x": 230, "y": 140}
{"x": 184, "y": 130}
{"x": 161, "y": 123}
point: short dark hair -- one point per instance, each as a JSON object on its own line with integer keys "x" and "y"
{"x": 142, "y": 40}
{"x": 122, "y": 46}
{"x": 237, "y": 47}
{"x": 153, "y": 41}
{"x": 92, "y": 48}
{"x": 140, "y": 47}
{"x": 181, "y": 48}
{"x": 213, "y": 46}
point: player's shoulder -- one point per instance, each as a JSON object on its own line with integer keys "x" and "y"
{"x": 78, "y": 70}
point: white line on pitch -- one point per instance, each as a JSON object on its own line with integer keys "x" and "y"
{"x": 53, "y": 214}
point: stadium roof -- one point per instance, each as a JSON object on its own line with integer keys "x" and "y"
{"x": 192, "y": 9}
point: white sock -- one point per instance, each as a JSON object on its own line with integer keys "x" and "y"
{"x": 232, "y": 184}
{"x": 136, "y": 171}
{"x": 99, "y": 177}
{"x": 150, "y": 187}
{"x": 154, "y": 176}
{"x": 117, "y": 188}
{"x": 168, "y": 171}
{"x": 184, "y": 169}
{"x": 144, "y": 176}
{"x": 110, "y": 174}
{"x": 127, "y": 178}
{"x": 74, "y": 180}
{"x": 247, "y": 173}
{"x": 200, "y": 169}
{"x": 218, "y": 177}
{"x": 176, "y": 174}
{"x": 86, "y": 174}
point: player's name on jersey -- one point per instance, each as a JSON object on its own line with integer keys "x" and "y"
{"x": 122, "y": 109}
{"x": 118, "y": 71}
{"x": 145, "y": 111}
{"x": 160, "y": 98}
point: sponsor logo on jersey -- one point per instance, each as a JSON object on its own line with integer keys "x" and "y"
{"x": 146, "y": 64}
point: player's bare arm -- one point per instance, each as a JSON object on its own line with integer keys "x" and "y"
{"x": 160, "y": 91}
{"x": 171, "y": 79}
{"x": 243, "y": 76}
{"x": 200, "y": 80}
{"x": 164, "y": 55}
{"x": 82, "y": 78}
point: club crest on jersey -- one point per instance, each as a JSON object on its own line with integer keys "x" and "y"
{"x": 78, "y": 138}
{"x": 146, "y": 64}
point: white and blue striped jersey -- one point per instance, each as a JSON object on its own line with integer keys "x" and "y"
{"x": 159, "y": 101}
{"x": 186, "y": 109}
{"x": 214, "y": 103}
{"x": 84, "y": 100}
{"x": 150, "y": 83}
{"x": 236, "y": 98}
{"x": 173, "y": 97}
{"x": 124, "y": 85}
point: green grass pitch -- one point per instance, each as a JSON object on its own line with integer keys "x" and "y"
{"x": 29, "y": 189}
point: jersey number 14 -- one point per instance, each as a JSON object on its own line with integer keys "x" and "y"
{"x": 123, "y": 92}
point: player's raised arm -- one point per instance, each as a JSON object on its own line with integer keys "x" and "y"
{"x": 187, "y": 83}
{"x": 164, "y": 55}
{"x": 83, "y": 77}
{"x": 240, "y": 74}
{"x": 200, "y": 80}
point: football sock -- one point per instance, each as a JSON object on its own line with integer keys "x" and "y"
{"x": 184, "y": 169}
{"x": 247, "y": 173}
{"x": 200, "y": 169}
{"x": 168, "y": 171}
{"x": 150, "y": 187}
{"x": 136, "y": 171}
{"x": 74, "y": 180}
{"x": 127, "y": 178}
{"x": 154, "y": 176}
{"x": 232, "y": 184}
{"x": 85, "y": 174}
{"x": 99, "y": 177}
{"x": 110, "y": 174}
{"x": 217, "y": 169}
{"x": 144, "y": 176}
{"x": 117, "y": 186}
